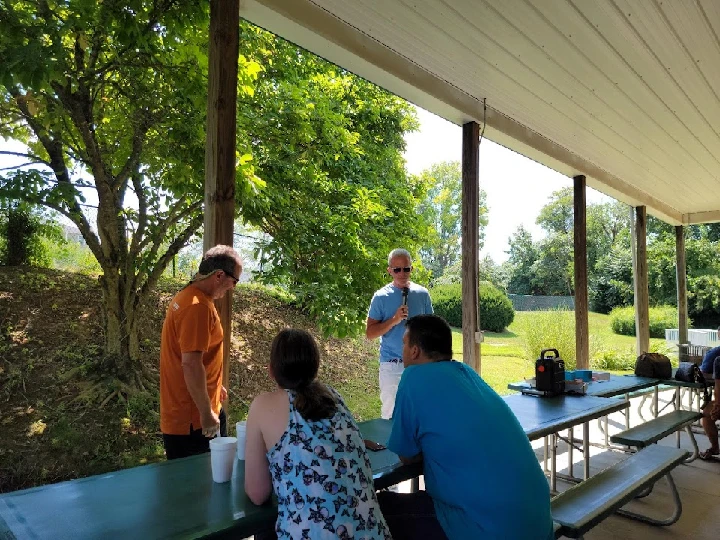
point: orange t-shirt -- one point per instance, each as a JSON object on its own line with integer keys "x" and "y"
{"x": 191, "y": 324}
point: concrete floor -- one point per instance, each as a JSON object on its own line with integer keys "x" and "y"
{"x": 698, "y": 484}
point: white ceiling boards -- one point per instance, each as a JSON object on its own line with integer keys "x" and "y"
{"x": 626, "y": 92}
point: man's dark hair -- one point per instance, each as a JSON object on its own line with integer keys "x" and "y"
{"x": 220, "y": 257}
{"x": 432, "y": 334}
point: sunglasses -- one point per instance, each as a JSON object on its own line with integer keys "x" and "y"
{"x": 406, "y": 269}
{"x": 229, "y": 274}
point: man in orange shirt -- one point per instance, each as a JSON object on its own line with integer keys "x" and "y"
{"x": 191, "y": 357}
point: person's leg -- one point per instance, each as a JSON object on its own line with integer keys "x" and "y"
{"x": 711, "y": 430}
{"x": 390, "y": 373}
{"x": 223, "y": 422}
{"x": 180, "y": 446}
{"x": 410, "y": 515}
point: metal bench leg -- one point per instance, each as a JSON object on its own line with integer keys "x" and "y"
{"x": 662, "y": 522}
{"x": 607, "y": 435}
{"x": 586, "y": 450}
{"x": 545, "y": 454}
{"x": 678, "y": 406}
{"x": 553, "y": 463}
{"x": 645, "y": 493}
{"x": 571, "y": 447}
{"x": 627, "y": 412}
{"x": 655, "y": 402}
{"x": 696, "y": 450}
{"x": 643, "y": 399}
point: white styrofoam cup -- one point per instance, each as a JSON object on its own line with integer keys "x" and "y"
{"x": 222, "y": 458}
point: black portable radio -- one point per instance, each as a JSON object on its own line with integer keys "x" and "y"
{"x": 550, "y": 372}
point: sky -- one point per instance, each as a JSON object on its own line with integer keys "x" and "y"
{"x": 516, "y": 187}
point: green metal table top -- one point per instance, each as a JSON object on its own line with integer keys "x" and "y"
{"x": 178, "y": 499}
{"x": 685, "y": 384}
{"x": 172, "y": 499}
{"x": 541, "y": 416}
{"x": 619, "y": 385}
{"x": 616, "y": 386}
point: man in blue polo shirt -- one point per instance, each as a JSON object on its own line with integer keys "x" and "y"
{"x": 389, "y": 307}
{"x": 481, "y": 474}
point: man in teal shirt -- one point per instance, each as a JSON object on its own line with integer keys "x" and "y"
{"x": 480, "y": 471}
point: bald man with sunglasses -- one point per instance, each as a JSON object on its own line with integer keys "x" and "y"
{"x": 389, "y": 308}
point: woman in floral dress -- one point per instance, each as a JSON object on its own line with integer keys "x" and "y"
{"x": 303, "y": 443}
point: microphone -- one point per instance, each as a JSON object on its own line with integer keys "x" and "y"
{"x": 405, "y": 292}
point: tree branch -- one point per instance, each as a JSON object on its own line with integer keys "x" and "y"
{"x": 37, "y": 159}
{"x": 171, "y": 251}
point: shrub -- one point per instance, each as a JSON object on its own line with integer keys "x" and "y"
{"x": 554, "y": 329}
{"x": 496, "y": 311}
{"x": 604, "y": 358}
{"x": 622, "y": 320}
{"x": 447, "y": 303}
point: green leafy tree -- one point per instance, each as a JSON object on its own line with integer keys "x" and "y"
{"x": 443, "y": 209}
{"x": 521, "y": 257}
{"x": 611, "y": 283}
{"x": 24, "y": 231}
{"x": 336, "y": 198}
{"x": 552, "y": 272}
{"x": 109, "y": 97}
{"x": 557, "y": 217}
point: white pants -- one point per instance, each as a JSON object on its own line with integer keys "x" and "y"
{"x": 390, "y": 373}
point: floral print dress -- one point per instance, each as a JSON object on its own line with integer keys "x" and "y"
{"x": 322, "y": 478}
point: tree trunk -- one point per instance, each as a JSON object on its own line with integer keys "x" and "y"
{"x": 122, "y": 359}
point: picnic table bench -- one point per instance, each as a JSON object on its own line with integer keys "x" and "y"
{"x": 584, "y": 505}
{"x": 654, "y": 430}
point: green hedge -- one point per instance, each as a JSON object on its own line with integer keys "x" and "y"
{"x": 496, "y": 311}
{"x": 622, "y": 320}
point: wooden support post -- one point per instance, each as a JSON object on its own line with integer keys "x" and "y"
{"x": 220, "y": 144}
{"x": 470, "y": 243}
{"x": 642, "y": 300}
{"x": 582, "y": 335}
{"x": 681, "y": 280}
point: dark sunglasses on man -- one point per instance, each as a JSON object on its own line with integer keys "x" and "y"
{"x": 231, "y": 276}
{"x": 406, "y": 269}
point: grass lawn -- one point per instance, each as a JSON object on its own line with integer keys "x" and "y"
{"x": 503, "y": 356}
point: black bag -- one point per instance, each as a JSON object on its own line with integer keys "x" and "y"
{"x": 654, "y": 366}
{"x": 690, "y": 372}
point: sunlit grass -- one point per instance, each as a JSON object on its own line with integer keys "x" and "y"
{"x": 503, "y": 358}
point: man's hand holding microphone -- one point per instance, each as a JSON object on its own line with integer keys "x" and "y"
{"x": 402, "y": 312}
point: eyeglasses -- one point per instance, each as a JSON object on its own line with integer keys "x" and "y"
{"x": 229, "y": 274}
{"x": 406, "y": 269}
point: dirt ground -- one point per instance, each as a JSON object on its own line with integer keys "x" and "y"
{"x": 50, "y": 351}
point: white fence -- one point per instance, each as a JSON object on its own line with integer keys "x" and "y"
{"x": 705, "y": 338}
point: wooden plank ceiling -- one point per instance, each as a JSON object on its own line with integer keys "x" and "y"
{"x": 623, "y": 91}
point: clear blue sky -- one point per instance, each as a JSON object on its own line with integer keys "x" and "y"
{"x": 517, "y": 187}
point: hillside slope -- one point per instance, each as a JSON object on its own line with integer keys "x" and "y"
{"x": 50, "y": 337}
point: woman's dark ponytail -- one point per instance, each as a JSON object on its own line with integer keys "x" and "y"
{"x": 295, "y": 360}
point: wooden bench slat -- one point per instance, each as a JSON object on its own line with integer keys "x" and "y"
{"x": 655, "y": 429}
{"x": 585, "y": 505}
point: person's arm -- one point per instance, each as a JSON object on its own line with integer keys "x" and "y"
{"x": 406, "y": 424}
{"x": 196, "y": 382}
{"x": 375, "y": 329}
{"x": 258, "y": 482}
